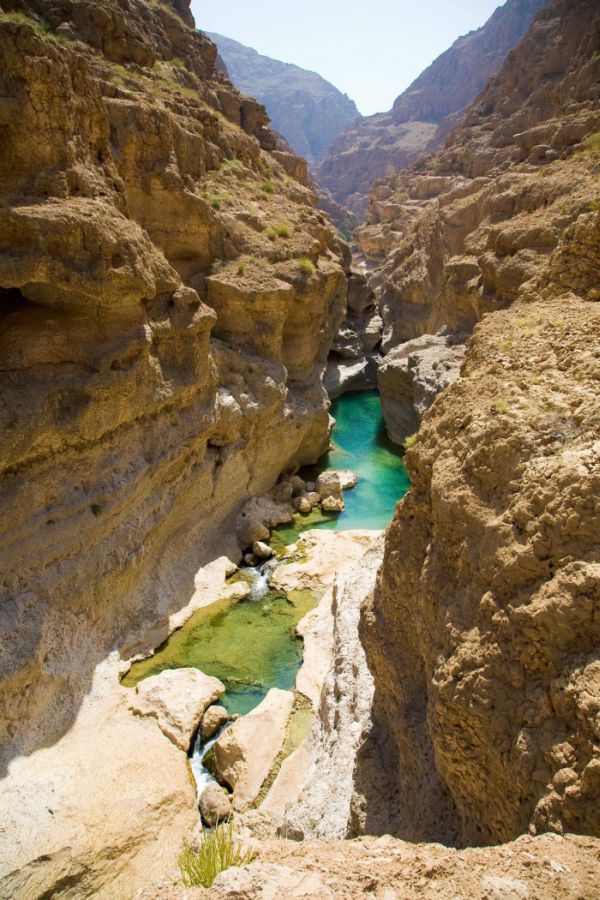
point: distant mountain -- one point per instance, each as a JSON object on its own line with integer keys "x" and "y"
{"x": 377, "y": 146}
{"x": 307, "y": 110}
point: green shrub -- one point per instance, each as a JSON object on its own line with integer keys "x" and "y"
{"x": 270, "y": 233}
{"x": 96, "y": 509}
{"x": 217, "y": 265}
{"x": 177, "y": 62}
{"x": 500, "y": 407}
{"x": 215, "y": 203}
{"x": 232, "y": 165}
{"x": 241, "y": 268}
{"x": 282, "y": 230}
{"x": 219, "y": 850}
{"x": 410, "y": 441}
{"x": 306, "y": 266}
{"x": 267, "y": 187}
{"x": 593, "y": 142}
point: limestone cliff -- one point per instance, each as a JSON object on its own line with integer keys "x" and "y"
{"x": 168, "y": 298}
{"x": 305, "y": 108}
{"x": 483, "y": 633}
{"x": 377, "y": 146}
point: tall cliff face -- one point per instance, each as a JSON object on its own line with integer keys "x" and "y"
{"x": 305, "y": 108}
{"x": 161, "y": 349}
{"x": 483, "y": 633}
{"x": 378, "y": 146}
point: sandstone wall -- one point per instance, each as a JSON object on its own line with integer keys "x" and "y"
{"x": 161, "y": 350}
{"x": 483, "y": 633}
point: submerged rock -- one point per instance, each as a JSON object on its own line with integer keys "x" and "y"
{"x": 177, "y": 699}
{"x": 246, "y": 751}
{"x": 215, "y": 805}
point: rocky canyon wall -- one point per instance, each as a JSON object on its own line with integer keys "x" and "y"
{"x": 168, "y": 298}
{"x": 483, "y": 632}
{"x": 377, "y": 146}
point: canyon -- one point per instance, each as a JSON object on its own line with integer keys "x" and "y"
{"x": 303, "y": 107}
{"x": 376, "y": 146}
{"x": 177, "y": 315}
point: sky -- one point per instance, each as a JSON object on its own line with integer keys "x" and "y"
{"x": 369, "y": 49}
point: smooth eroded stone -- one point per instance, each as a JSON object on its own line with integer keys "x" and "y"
{"x": 212, "y": 720}
{"x": 262, "y": 550}
{"x": 215, "y": 805}
{"x": 246, "y": 751}
{"x": 329, "y": 484}
{"x": 250, "y": 530}
{"x": 177, "y": 699}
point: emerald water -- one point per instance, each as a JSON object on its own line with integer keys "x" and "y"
{"x": 252, "y": 646}
{"x": 359, "y": 443}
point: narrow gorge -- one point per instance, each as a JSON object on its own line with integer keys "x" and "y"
{"x": 300, "y": 528}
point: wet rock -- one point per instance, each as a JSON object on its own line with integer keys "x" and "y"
{"x": 245, "y": 752}
{"x": 213, "y": 719}
{"x": 215, "y": 805}
{"x": 262, "y": 550}
{"x": 250, "y": 559}
{"x": 177, "y": 699}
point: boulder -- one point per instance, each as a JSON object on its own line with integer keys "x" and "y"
{"x": 250, "y": 530}
{"x": 213, "y": 719}
{"x": 268, "y": 511}
{"x": 215, "y": 805}
{"x": 332, "y": 504}
{"x": 313, "y": 497}
{"x": 246, "y": 751}
{"x": 250, "y": 559}
{"x": 177, "y": 699}
{"x": 303, "y": 505}
{"x": 347, "y": 478}
{"x": 329, "y": 484}
{"x": 298, "y": 485}
{"x": 262, "y": 550}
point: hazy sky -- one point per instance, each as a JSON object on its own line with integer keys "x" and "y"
{"x": 371, "y": 49}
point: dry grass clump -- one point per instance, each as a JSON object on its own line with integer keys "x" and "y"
{"x": 220, "y": 849}
{"x": 306, "y": 266}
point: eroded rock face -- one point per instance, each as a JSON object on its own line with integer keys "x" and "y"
{"x": 141, "y": 395}
{"x": 487, "y": 697}
{"x": 412, "y": 375}
{"x": 377, "y": 146}
{"x": 177, "y": 699}
{"x": 246, "y": 751}
{"x": 307, "y": 110}
{"x": 145, "y": 210}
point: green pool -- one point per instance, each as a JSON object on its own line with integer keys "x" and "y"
{"x": 360, "y": 444}
{"x": 252, "y": 646}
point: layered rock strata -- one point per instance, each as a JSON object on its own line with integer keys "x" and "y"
{"x": 487, "y": 697}
{"x": 169, "y": 296}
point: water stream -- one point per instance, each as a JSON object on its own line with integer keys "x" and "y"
{"x": 252, "y": 646}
